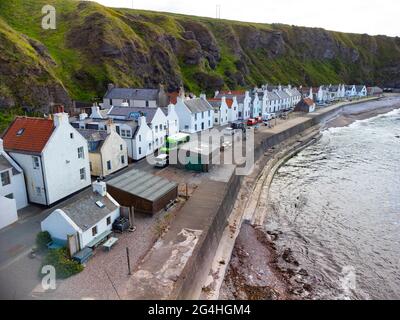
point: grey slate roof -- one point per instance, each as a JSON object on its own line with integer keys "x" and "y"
{"x": 197, "y": 105}
{"x": 132, "y": 94}
{"x": 93, "y": 135}
{"x": 85, "y": 213}
{"x": 215, "y": 104}
{"x": 143, "y": 185}
{"x": 272, "y": 96}
{"x": 127, "y": 111}
{"x": 240, "y": 98}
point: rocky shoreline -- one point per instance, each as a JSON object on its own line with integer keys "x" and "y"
{"x": 257, "y": 271}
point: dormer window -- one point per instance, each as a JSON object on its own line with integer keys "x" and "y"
{"x": 20, "y": 132}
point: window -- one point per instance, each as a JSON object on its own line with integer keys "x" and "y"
{"x": 195, "y": 127}
{"x": 147, "y": 104}
{"x": 110, "y": 102}
{"x": 82, "y": 173}
{"x": 108, "y": 221}
{"x": 121, "y": 147}
{"x": 5, "y": 178}
{"x": 20, "y": 132}
{"x": 140, "y": 150}
{"x": 149, "y": 146}
{"x": 109, "y": 165}
{"x": 81, "y": 153}
{"x": 209, "y": 123}
{"x": 38, "y": 191}
{"x": 10, "y": 196}
{"x": 156, "y": 129}
{"x": 202, "y": 115}
{"x": 157, "y": 142}
{"x": 123, "y": 159}
{"x": 71, "y": 135}
{"x": 36, "y": 164}
{"x": 140, "y": 138}
{"x": 91, "y": 167}
{"x": 123, "y": 133}
{"x": 94, "y": 231}
{"x": 195, "y": 116}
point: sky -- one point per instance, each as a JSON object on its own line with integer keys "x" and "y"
{"x": 357, "y": 16}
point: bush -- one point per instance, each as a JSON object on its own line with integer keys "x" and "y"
{"x": 42, "y": 239}
{"x": 65, "y": 267}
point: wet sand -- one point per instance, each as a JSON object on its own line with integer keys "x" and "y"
{"x": 256, "y": 271}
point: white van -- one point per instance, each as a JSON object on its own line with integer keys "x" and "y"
{"x": 161, "y": 161}
{"x": 267, "y": 117}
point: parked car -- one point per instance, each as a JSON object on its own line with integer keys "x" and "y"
{"x": 161, "y": 161}
{"x": 121, "y": 224}
{"x": 267, "y": 117}
{"x": 267, "y": 123}
{"x": 259, "y": 119}
{"x": 229, "y": 132}
{"x": 251, "y": 122}
{"x": 237, "y": 125}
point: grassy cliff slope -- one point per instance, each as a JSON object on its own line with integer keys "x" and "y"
{"x": 94, "y": 45}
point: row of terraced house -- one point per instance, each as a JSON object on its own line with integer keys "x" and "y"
{"x": 44, "y": 160}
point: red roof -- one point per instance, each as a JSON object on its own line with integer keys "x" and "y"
{"x": 28, "y": 134}
{"x": 229, "y": 102}
{"x": 234, "y": 93}
{"x": 173, "y": 97}
{"x": 309, "y": 101}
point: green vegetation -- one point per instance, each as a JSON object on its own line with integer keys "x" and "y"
{"x": 42, "y": 240}
{"x": 94, "y": 45}
{"x": 64, "y": 266}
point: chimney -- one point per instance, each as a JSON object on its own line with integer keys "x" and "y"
{"x": 216, "y": 94}
{"x": 203, "y": 96}
{"x": 100, "y": 188}
{"x": 142, "y": 121}
{"x": 60, "y": 117}
{"x": 96, "y": 112}
{"x": 110, "y": 86}
{"x": 83, "y": 116}
{"x": 110, "y": 126}
{"x": 171, "y": 109}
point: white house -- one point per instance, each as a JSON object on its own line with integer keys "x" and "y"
{"x": 172, "y": 120}
{"x": 243, "y": 100}
{"x": 155, "y": 118}
{"x": 256, "y": 107}
{"x": 195, "y": 115}
{"x": 53, "y": 155}
{"x": 12, "y": 189}
{"x": 351, "y": 91}
{"x": 108, "y": 152}
{"x": 221, "y": 111}
{"x": 362, "y": 91}
{"x": 87, "y": 221}
{"x": 135, "y": 97}
{"x": 294, "y": 94}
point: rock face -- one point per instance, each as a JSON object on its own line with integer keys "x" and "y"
{"x": 138, "y": 48}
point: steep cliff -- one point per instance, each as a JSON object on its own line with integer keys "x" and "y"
{"x": 94, "y": 45}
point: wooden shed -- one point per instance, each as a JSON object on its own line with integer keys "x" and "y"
{"x": 143, "y": 191}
